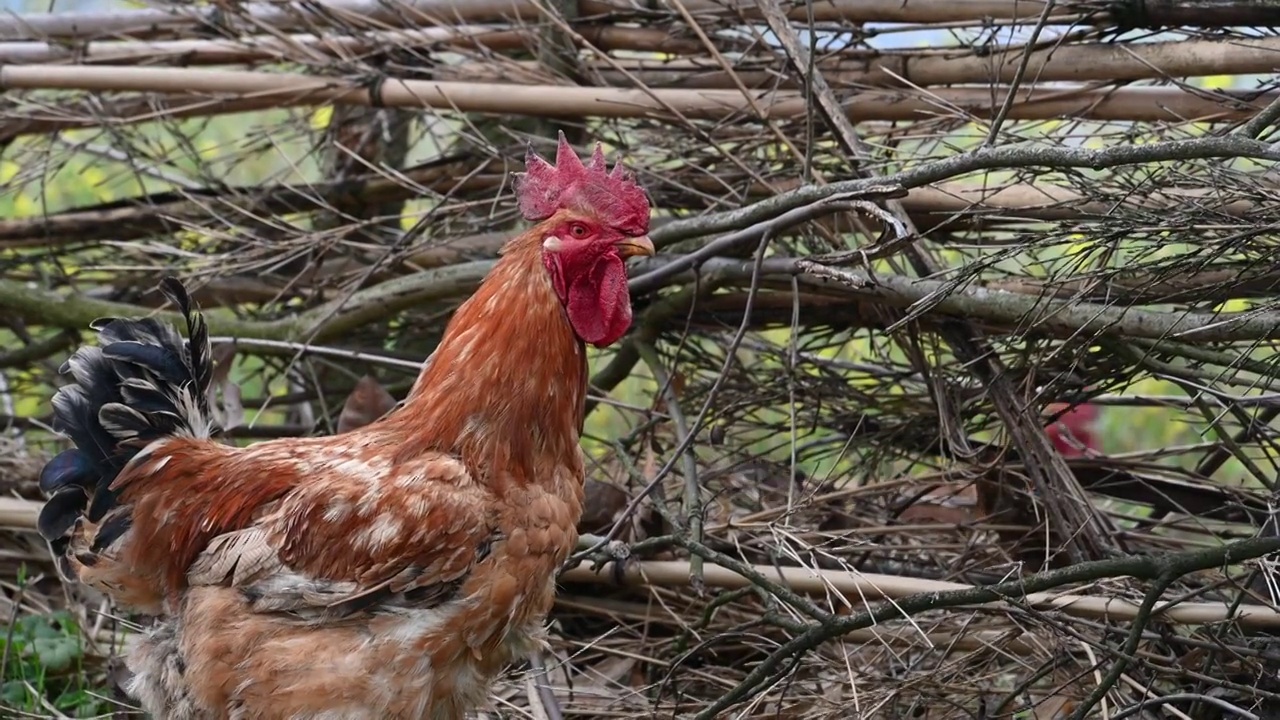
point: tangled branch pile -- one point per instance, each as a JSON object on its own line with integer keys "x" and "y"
{"x": 890, "y": 253}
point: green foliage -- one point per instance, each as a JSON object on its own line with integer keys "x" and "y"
{"x": 41, "y": 175}
{"x": 44, "y": 668}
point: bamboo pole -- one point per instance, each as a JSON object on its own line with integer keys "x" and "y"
{"x": 18, "y": 513}
{"x": 318, "y": 47}
{"x": 1049, "y": 202}
{"x": 1059, "y": 63}
{"x": 288, "y": 90}
{"x": 155, "y": 22}
{"x": 860, "y": 589}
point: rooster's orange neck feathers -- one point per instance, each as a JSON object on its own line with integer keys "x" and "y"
{"x": 508, "y": 382}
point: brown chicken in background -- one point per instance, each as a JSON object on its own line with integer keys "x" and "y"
{"x": 388, "y": 572}
{"x": 1074, "y": 434}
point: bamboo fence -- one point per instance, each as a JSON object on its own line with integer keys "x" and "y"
{"x": 898, "y": 238}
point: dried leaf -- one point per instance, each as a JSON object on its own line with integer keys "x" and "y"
{"x": 367, "y": 402}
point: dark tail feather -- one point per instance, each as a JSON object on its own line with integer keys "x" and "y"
{"x": 142, "y": 383}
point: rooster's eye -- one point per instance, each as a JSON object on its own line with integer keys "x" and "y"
{"x": 578, "y": 230}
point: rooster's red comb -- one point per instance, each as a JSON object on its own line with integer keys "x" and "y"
{"x": 613, "y": 197}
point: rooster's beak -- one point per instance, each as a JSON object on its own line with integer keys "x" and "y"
{"x": 634, "y": 247}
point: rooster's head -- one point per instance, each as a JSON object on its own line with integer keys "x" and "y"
{"x": 589, "y": 220}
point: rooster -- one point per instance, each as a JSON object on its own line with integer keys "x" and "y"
{"x": 387, "y": 572}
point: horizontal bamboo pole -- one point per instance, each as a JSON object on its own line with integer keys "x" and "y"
{"x": 288, "y": 89}
{"x": 857, "y": 69}
{"x": 400, "y": 13}
{"x": 318, "y": 47}
{"x": 862, "y": 588}
{"x": 1017, "y": 201}
{"x": 1049, "y": 202}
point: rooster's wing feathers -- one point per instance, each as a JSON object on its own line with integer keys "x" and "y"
{"x": 403, "y": 535}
